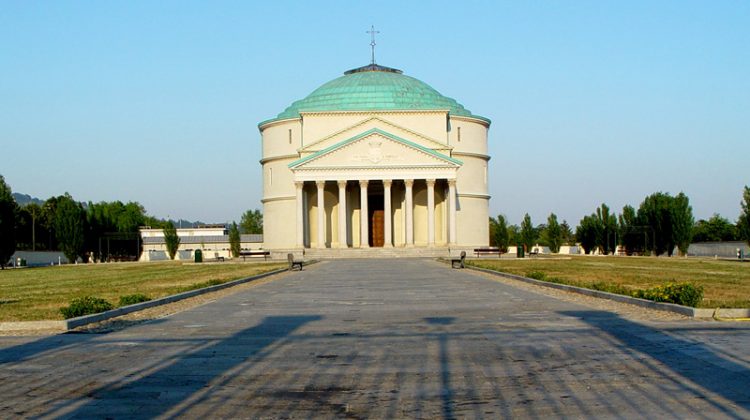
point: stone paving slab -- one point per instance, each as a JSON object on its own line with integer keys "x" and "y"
{"x": 385, "y": 339}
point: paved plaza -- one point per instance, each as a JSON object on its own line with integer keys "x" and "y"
{"x": 384, "y": 339}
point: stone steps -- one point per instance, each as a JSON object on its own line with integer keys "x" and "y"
{"x": 334, "y": 253}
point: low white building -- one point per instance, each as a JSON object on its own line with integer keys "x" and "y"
{"x": 212, "y": 240}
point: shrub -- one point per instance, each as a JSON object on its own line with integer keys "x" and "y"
{"x": 537, "y": 275}
{"x": 84, "y": 306}
{"x": 686, "y": 294}
{"x": 133, "y": 299}
{"x": 611, "y": 288}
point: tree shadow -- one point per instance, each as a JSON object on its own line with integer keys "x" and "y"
{"x": 692, "y": 360}
{"x": 445, "y": 369}
{"x": 184, "y": 381}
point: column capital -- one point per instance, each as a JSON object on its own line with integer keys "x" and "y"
{"x": 342, "y": 184}
{"x": 363, "y": 183}
{"x": 320, "y": 184}
{"x": 299, "y": 184}
{"x": 387, "y": 183}
{"x": 452, "y": 182}
{"x": 430, "y": 182}
{"x": 409, "y": 182}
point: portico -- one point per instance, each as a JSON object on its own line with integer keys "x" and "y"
{"x": 362, "y": 213}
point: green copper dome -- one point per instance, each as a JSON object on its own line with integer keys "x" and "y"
{"x": 374, "y": 88}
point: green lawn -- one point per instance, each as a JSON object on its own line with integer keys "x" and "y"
{"x": 38, "y": 293}
{"x": 726, "y": 283}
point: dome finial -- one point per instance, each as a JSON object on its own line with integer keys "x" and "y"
{"x": 372, "y": 32}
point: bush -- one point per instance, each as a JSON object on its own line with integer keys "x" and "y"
{"x": 536, "y": 275}
{"x": 84, "y": 306}
{"x": 686, "y": 294}
{"x": 133, "y": 299}
{"x": 611, "y": 288}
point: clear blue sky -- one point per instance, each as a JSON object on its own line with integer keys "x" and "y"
{"x": 590, "y": 101}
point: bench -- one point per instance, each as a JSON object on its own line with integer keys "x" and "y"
{"x": 265, "y": 254}
{"x": 293, "y": 263}
{"x": 218, "y": 257}
{"x": 458, "y": 261}
{"x": 534, "y": 253}
{"x": 487, "y": 251}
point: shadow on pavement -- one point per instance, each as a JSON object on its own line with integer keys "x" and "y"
{"x": 694, "y": 361}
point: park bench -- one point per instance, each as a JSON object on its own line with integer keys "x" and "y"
{"x": 218, "y": 257}
{"x": 487, "y": 251}
{"x": 293, "y": 263}
{"x": 458, "y": 262}
{"x": 534, "y": 253}
{"x": 264, "y": 254}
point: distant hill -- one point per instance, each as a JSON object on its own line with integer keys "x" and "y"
{"x": 24, "y": 199}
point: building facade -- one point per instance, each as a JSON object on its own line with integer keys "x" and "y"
{"x": 375, "y": 158}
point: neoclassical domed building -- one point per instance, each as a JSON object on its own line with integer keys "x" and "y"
{"x": 375, "y": 158}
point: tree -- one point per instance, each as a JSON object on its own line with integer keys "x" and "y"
{"x": 500, "y": 236}
{"x": 252, "y": 222}
{"x": 553, "y": 233}
{"x": 528, "y": 233}
{"x": 234, "y": 240}
{"x": 715, "y": 229}
{"x": 670, "y": 220}
{"x": 606, "y": 228}
{"x": 69, "y": 227}
{"x": 587, "y": 233}
{"x": 8, "y": 214}
{"x": 568, "y": 237}
{"x": 743, "y": 224}
{"x": 171, "y": 239}
{"x": 632, "y": 233}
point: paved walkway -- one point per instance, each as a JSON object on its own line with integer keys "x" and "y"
{"x": 384, "y": 339}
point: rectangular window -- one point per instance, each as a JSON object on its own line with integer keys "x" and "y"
{"x": 459, "y": 133}
{"x": 270, "y": 176}
{"x": 290, "y": 136}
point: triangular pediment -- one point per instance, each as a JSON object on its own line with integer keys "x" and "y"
{"x": 374, "y": 123}
{"x": 375, "y": 148}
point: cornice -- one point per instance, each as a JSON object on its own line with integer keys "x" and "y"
{"x": 281, "y": 157}
{"x": 476, "y": 155}
{"x": 278, "y": 198}
{"x": 484, "y": 122}
{"x": 475, "y": 195}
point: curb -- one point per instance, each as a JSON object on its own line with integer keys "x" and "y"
{"x": 69, "y": 324}
{"x": 702, "y": 313}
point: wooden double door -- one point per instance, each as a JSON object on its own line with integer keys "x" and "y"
{"x": 377, "y": 220}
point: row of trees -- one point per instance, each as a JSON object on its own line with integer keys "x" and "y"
{"x": 661, "y": 223}
{"x": 78, "y": 230}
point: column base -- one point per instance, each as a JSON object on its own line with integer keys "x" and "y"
{"x": 386, "y": 245}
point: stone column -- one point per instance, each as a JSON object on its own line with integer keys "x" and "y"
{"x": 300, "y": 214}
{"x": 342, "y": 214}
{"x": 430, "y": 212}
{"x": 409, "y": 212}
{"x": 387, "y": 210}
{"x": 452, "y": 211}
{"x": 321, "y": 214}
{"x": 364, "y": 229}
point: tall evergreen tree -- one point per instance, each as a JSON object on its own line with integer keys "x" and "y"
{"x": 743, "y": 224}
{"x": 69, "y": 227}
{"x": 587, "y": 233}
{"x": 252, "y": 222}
{"x": 606, "y": 230}
{"x": 553, "y": 233}
{"x": 171, "y": 239}
{"x": 682, "y": 223}
{"x": 8, "y": 214}
{"x": 234, "y": 240}
{"x": 528, "y": 233}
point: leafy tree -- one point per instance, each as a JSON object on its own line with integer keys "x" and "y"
{"x": 715, "y": 229}
{"x": 587, "y": 233}
{"x": 682, "y": 222}
{"x": 252, "y": 222}
{"x": 670, "y": 220}
{"x": 631, "y": 232}
{"x": 568, "y": 237}
{"x": 553, "y": 232}
{"x": 606, "y": 230}
{"x": 743, "y": 224}
{"x": 499, "y": 230}
{"x": 234, "y": 240}
{"x": 69, "y": 227}
{"x": 8, "y": 214}
{"x": 528, "y": 234}
{"x": 171, "y": 239}
{"x": 514, "y": 234}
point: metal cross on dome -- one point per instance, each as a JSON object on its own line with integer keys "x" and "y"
{"x": 372, "y": 32}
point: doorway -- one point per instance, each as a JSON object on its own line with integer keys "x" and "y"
{"x": 376, "y": 217}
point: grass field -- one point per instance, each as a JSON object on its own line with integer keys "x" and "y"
{"x": 726, "y": 284}
{"x": 38, "y": 293}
